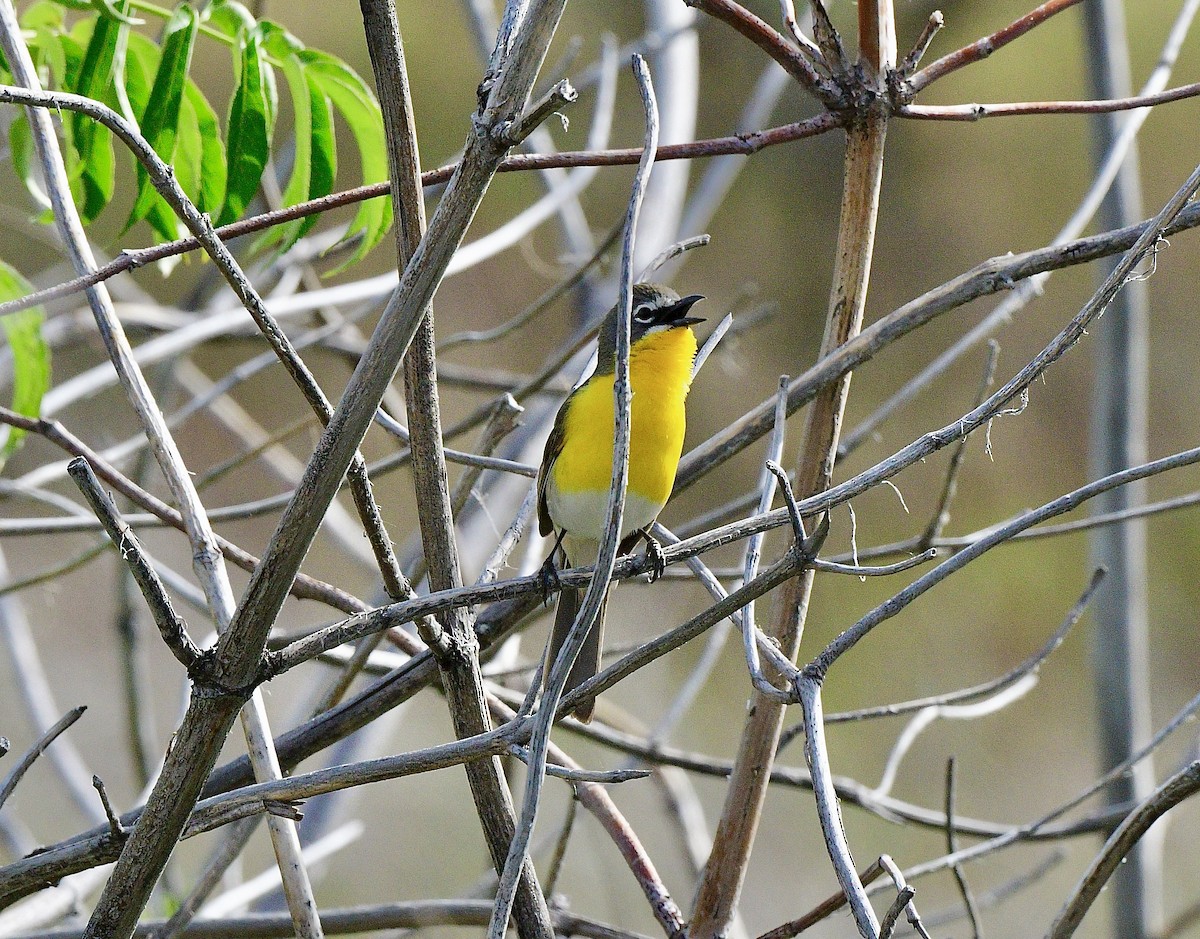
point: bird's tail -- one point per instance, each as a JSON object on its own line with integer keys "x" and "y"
{"x": 587, "y": 663}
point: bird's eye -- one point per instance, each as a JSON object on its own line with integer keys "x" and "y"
{"x": 643, "y": 314}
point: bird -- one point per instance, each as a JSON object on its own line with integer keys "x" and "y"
{"x": 576, "y": 470}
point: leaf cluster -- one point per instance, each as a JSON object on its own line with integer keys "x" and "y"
{"x": 106, "y": 54}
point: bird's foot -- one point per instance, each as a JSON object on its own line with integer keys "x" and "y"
{"x": 551, "y": 583}
{"x": 655, "y": 556}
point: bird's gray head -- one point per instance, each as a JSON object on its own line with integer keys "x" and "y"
{"x": 655, "y": 309}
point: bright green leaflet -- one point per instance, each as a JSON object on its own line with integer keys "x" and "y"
{"x": 251, "y": 124}
{"x": 160, "y": 123}
{"x": 31, "y": 355}
{"x": 358, "y": 107}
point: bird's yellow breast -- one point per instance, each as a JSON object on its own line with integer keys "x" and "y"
{"x": 660, "y": 369}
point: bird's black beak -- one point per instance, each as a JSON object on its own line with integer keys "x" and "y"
{"x": 677, "y": 313}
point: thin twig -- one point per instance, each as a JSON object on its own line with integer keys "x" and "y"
{"x": 807, "y": 46}
{"x": 982, "y": 48}
{"x": 759, "y": 32}
{"x": 766, "y": 484}
{"x": 171, "y": 626}
{"x": 941, "y": 514}
{"x": 114, "y": 823}
{"x": 960, "y": 879}
{"x": 39, "y": 746}
{"x": 560, "y": 94}
{"x": 932, "y": 27}
{"x": 977, "y": 112}
{"x": 1182, "y": 785}
{"x": 906, "y": 891}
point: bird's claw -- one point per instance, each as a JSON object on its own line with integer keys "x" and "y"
{"x": 656, "y": 558}
{"x": 551, "y": 583}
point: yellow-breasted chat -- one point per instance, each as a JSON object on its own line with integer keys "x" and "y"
{"x": 576, "y": 471}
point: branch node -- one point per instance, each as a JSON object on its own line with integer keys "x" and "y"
{"x": 510, "y": 133}
{"x": 207, "y": 682}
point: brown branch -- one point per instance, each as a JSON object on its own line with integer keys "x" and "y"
{"x": 982, "y": 48}
{"x": 723, "y": 877}
{"x": 773, "y": 43}
{"x": 976, "y": 112}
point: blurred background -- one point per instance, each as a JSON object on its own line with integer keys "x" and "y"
{"x": 954, "y": 195}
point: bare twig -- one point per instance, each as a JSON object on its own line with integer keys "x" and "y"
{"x": 807, "y": 46}
{"x": 931, "y": 28}
{"x": 766, "y": 482}
{"x": 907, "y": 893}
{"x": 823, "y": 910}
{"x": 759, "y": 32}
{"x": 171, "y": 626}
{"x": 560, "y": 94}
{"x": 941, "y": 514}
{"x": 30, "y": 755}
{"x": 977, "y": 112}
{"x": 982, "y": 48}
{"x": 960, "y": 879}
{"x": 114, "y": 823}
{"x": 1182, "y": 785}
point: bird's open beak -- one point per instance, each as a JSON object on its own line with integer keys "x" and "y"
{"x": 678, "y": 312}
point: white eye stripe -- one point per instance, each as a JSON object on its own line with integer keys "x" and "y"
{"x": 644, "y": 314}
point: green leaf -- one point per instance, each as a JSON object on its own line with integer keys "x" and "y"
{"x": 45, "y": 21}
{"x": 210, "y": 192}
{"x": 285, "y": 48}
{"x": 324, "y": 150}
{"x": 229, "y": 17}
{"x": 358, "y": 107}
{"x": 141, "y": 65}
{"x": 21, "y": 143}
{"x": 31, "y": 355}
{"x": 251, "y": 124}
{"x": 94, "y": 174}
{"x": 160, "y": 123}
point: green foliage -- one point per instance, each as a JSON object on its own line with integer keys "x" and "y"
{"x": 31, "y": 355}
{"x": 100, "y": 54}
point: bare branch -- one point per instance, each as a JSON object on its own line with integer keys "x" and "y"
{"x": 30, "y": 755}
{"x": 1182, "y": 785}
{"x": 982, "y": 48}
{"x": 171, "y": 626}
{"x": 977, "y": 112}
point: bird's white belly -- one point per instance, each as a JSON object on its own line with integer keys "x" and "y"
{"x": 585, "y": 513}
